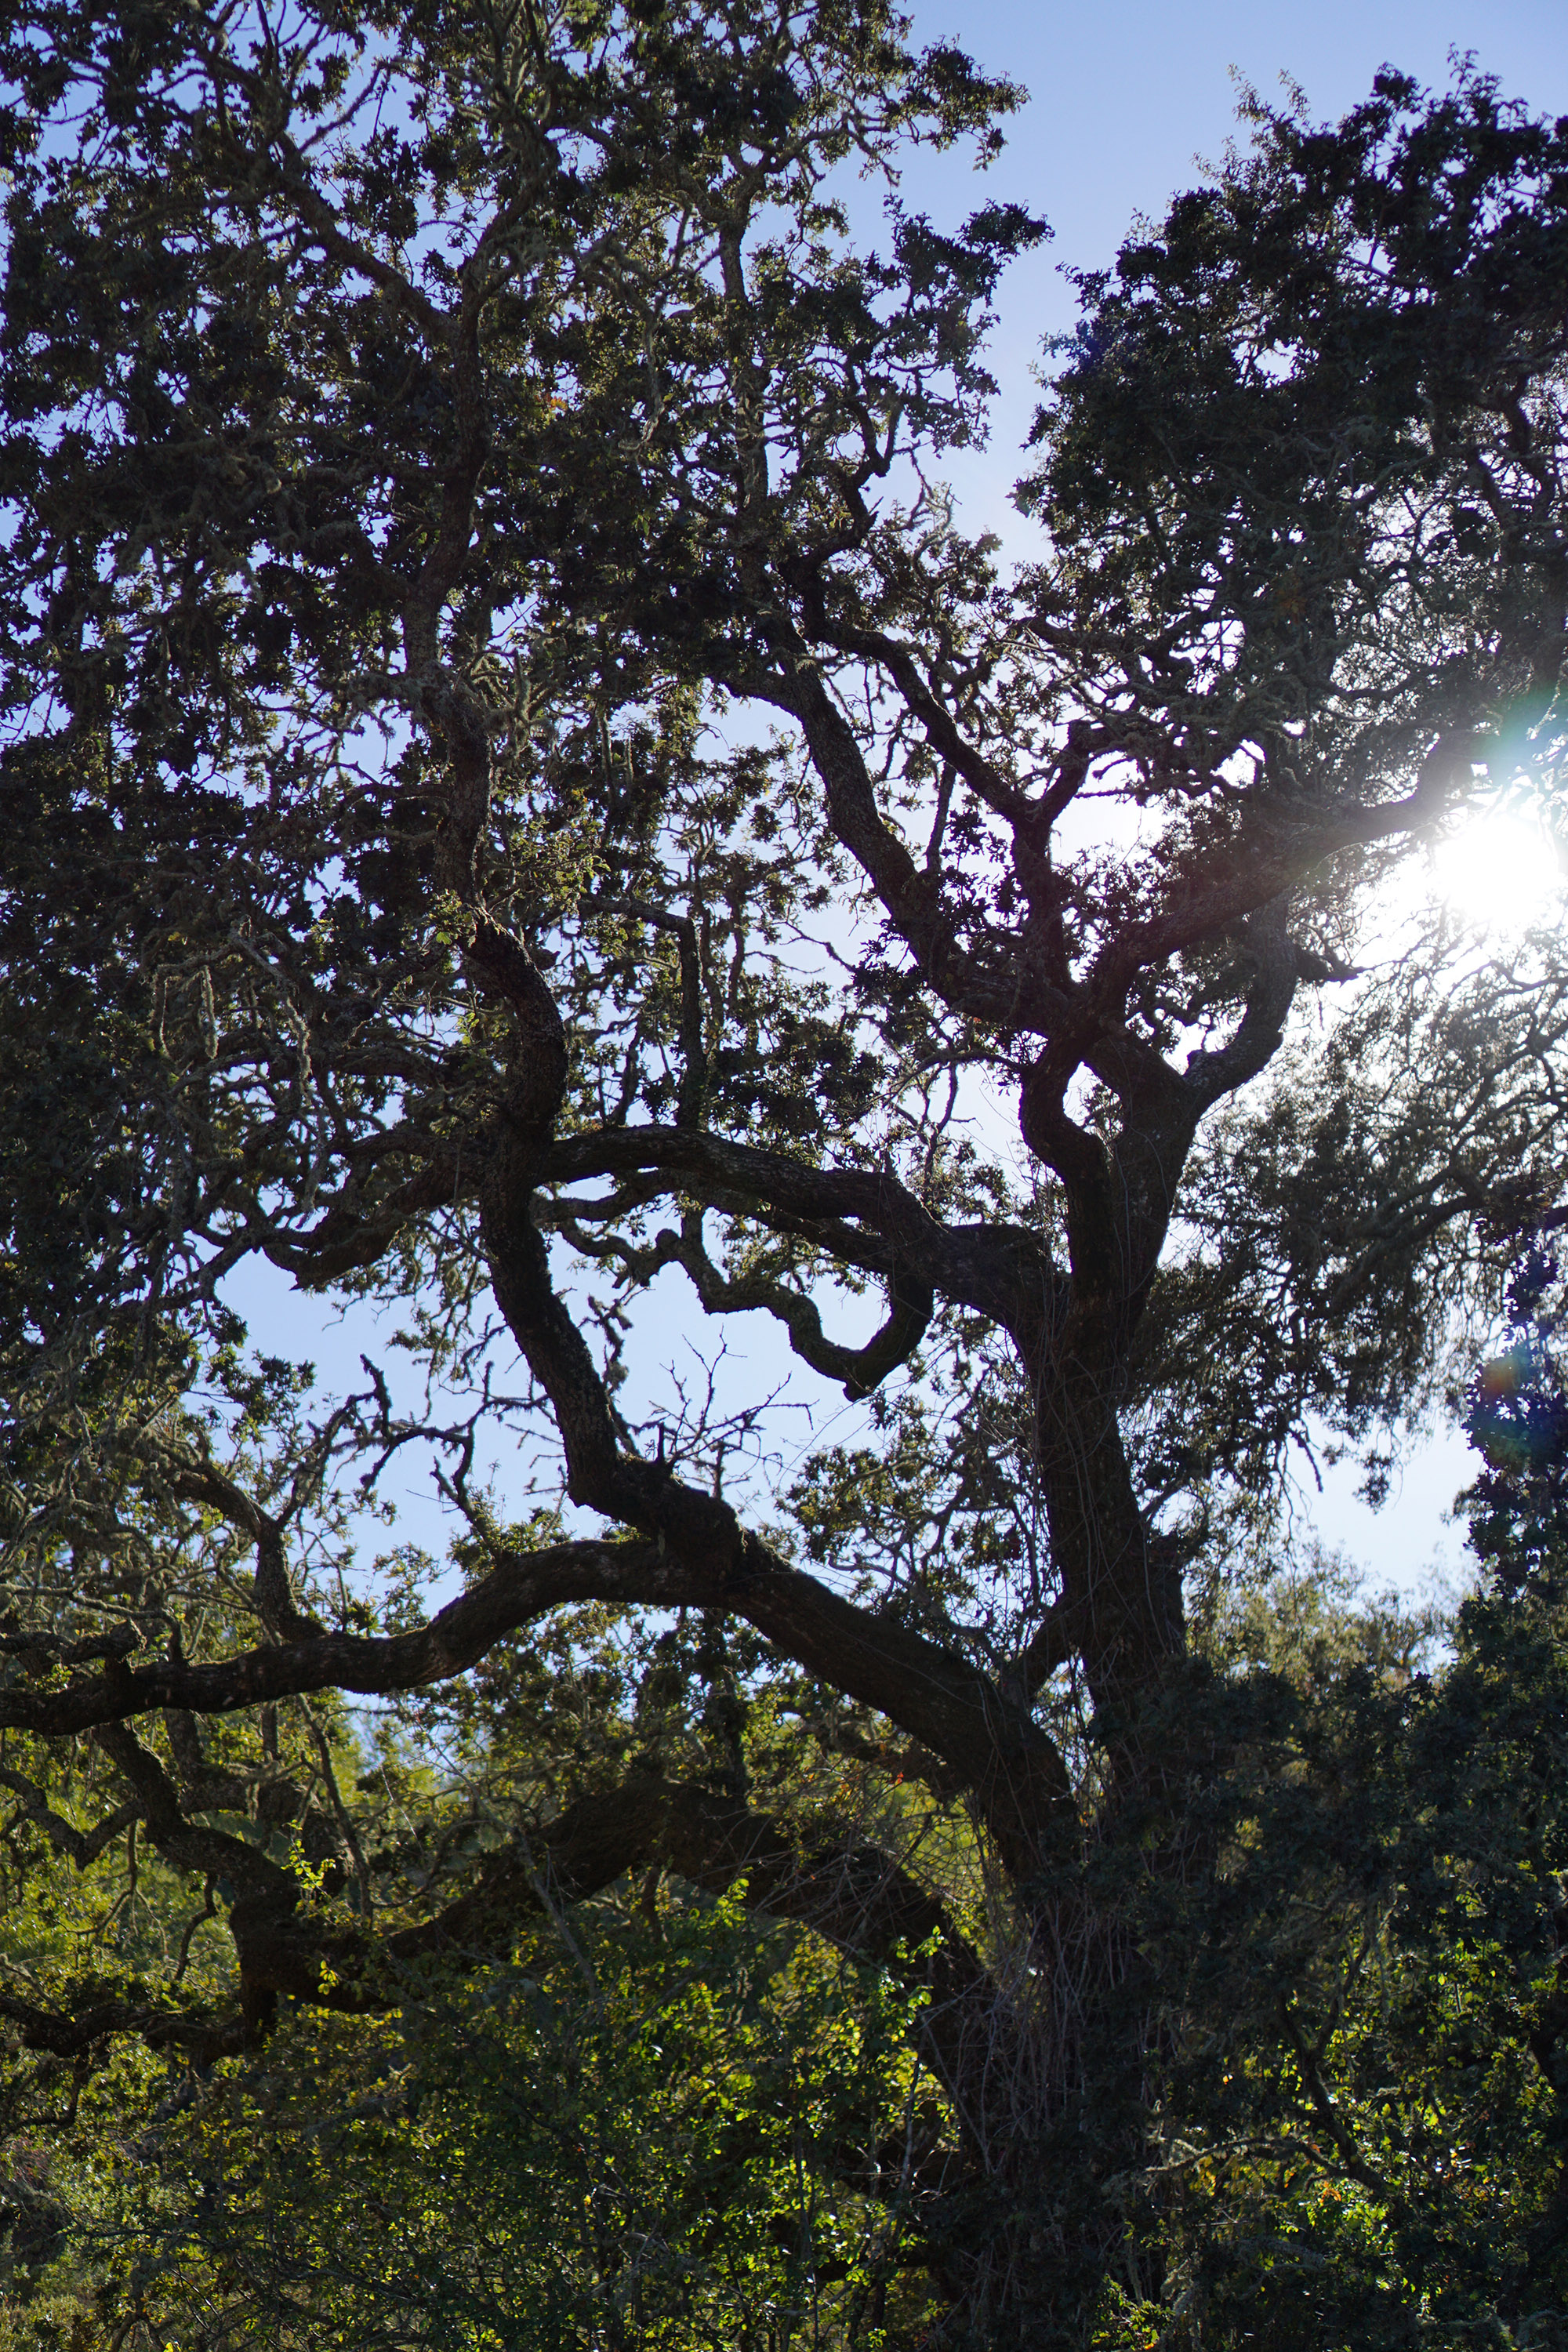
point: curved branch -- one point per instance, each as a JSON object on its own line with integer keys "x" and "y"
{"x": 1258, "y": 1036}
{"x": 861, "y": 1369}
{"x": 65, "y": 2034}
{"x": 1001, "y": 1270}
{"x": 371, "y": 1665}
{"x": 201, "y": 1481}
{"x": 1019, "y": 1779}
{"x": 346, "y": 1238}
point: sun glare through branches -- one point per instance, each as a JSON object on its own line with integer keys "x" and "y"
{"x": 1499, "y": 873}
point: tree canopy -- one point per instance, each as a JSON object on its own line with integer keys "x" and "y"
{"x": 519, "y": 791}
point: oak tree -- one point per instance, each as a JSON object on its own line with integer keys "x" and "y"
{"x": 519, "y": 789}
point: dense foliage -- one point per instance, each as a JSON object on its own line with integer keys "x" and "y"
{"x": 521, "y": 793}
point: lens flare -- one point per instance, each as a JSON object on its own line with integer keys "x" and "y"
{"x": 1499, "y": 873}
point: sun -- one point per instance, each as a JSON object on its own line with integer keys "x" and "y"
{"x": 1497, "y": 872}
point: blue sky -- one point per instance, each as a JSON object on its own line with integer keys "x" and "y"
{"x": 1125, "y": 97}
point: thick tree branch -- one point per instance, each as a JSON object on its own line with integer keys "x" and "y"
{"x": 1018, "y": 1779}
{"x": 1002, "y": 1271}
{"x": 73, "y": 2034}
{"x": 348, "y": 1236}
{"x": 1020, "y": 1783}
{"x": 1009, "y": 999}
{"x": 453, "y": 1641}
